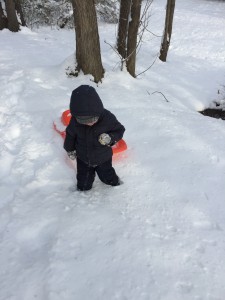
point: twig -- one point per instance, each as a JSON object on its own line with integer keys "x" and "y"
{"x": 149, "y": 66}
{"x": 121, "y": 59}
{"x": 153, "y": 33}
{"x": 114, "y": 49}
{"x": 162, "y": 95}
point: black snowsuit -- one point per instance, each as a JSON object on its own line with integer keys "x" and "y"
{"x": 91, "y": 155}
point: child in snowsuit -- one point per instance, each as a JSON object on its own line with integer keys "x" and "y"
{"x": 89, "y": 136}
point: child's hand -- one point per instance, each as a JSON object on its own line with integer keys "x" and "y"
{"x": 104, "y": 139}
{"x": 72, "y": 154}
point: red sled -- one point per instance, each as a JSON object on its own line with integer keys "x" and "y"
{"x": 120, "y": 146}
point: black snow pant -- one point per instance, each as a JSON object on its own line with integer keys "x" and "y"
{"x": 86, "y": 174}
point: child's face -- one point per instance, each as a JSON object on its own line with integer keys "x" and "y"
{"x": 87, "y": 120}
{"x": 91, "y": 123}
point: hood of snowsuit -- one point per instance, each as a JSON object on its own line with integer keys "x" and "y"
{"x": 85, "y": 101}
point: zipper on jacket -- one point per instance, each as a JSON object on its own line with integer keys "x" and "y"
{"x": 86, "y": 138}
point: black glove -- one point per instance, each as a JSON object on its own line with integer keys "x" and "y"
{"x": 104, "y": 139}
{"x": 72, "y": 154}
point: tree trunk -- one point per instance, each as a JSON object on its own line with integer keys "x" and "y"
{"x": 167, "y": 30}
{"x": 125, "y": 7}
{"x": 20, "y": 12}
{"x": 88, "y": 52}
{"x": 78, "y": 37}
{"x": 3, "y": 19}
{"x": 13, "y": 24}
{"x": 132, "y": 36}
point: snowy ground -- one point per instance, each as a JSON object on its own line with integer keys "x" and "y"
{"x": 159, "y": 236}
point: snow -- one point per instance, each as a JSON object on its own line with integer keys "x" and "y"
{"x": 160, "y": 235}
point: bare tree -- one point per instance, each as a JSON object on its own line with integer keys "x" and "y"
{"x": 88, "y": 54}
{"x": 129, "y": 22}
{"x": 3, "y": 19}
{"x": 78, "y": 38}
{"x": 167, "y": 30}
{"x": 13, "y": 24}
{"x": 132, "y": 36}
{"x": 125, "y": 7}
{"x": 8, "y": 19}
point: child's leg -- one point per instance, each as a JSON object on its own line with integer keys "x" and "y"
{"x": 107, "y": 174}
{"x": 85, "y": 176}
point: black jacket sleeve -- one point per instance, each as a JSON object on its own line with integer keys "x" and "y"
{"x": 117, "y": 130}
{"x": 70, "y": 139}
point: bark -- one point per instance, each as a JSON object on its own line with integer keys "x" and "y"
{"x": 88, "y": 52}
{"x": 132, "y": 36}
{"x": 167, "y": 30}
{"x": 78, "y": 37}
{"x": 13, "y": 24}
{"x": 125, "y": 7}
{"x": 3, "y": 19}
{"x": 19, "y": 10}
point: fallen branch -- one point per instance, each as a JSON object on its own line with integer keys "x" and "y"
{"x": 162, "y": 95}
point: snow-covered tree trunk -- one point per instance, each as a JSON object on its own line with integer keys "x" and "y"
{"x": 167, "y": 30}
{"x": 88, "y": 52}
{"x": 19, "y": 10}
{"x": 13, "y": 24}
{"x": 132, "y": 36}
{"x": 3, "y": 19}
